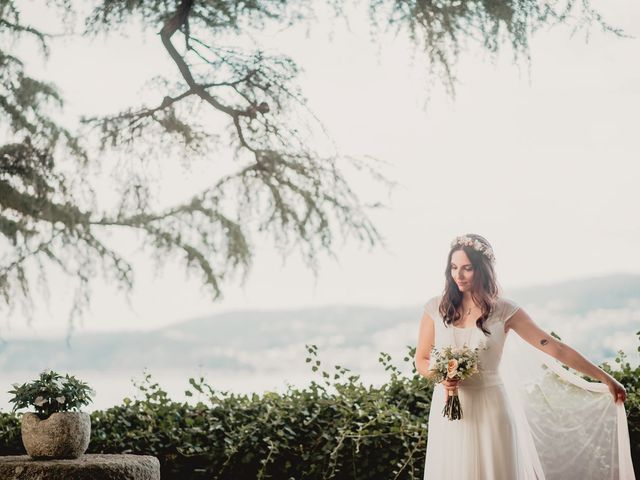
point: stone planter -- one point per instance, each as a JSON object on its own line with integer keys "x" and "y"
{"x": 61, "y": 435}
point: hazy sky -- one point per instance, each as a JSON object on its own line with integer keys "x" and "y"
{"x": 544, "y": 166}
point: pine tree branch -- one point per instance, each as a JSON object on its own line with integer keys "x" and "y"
{"x": 168, "y": 30}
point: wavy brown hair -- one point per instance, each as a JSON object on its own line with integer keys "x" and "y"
{"x": 485, "y": 289}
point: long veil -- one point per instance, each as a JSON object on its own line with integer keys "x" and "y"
{"x": 567, "y": 427}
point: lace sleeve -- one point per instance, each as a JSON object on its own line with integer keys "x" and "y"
{"x": 509, "y": 308}
{"x": 431, "y": 307}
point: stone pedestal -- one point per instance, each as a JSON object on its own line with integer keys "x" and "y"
{"x": 87, "y": 467}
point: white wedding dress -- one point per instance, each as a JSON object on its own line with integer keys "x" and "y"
{"x": 524, "y": 416}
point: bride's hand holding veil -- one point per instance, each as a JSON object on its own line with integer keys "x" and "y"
{"x": 617, "y": 389}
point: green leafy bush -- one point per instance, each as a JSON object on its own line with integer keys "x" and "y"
{"x": 353, "y": 432}
{"x": 51, "y": 393}
{"x": 338, "y": 428}
{"x": 630, "y": 378}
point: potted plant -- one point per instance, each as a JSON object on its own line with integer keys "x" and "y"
{"x": 54, "y": 431}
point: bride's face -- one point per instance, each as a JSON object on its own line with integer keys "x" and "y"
{"x": 461, "y": 270}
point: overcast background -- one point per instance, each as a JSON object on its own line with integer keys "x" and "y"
{"x": 543, "y": 163}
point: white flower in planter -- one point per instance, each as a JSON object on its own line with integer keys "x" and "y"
{"x": 61, "y": 399}
{"x": 39, "y": 401}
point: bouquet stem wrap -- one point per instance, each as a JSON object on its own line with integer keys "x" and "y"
{"x": 452, "y": 408}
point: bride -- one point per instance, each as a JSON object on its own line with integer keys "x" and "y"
{"x": 525, "y": 416}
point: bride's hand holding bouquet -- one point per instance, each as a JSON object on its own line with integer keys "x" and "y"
{"x": 449, "y": 366}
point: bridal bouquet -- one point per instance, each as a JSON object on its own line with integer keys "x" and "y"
{"x": 453, "y": 363}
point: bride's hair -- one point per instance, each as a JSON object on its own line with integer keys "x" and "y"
{"x": 484, "y": 289}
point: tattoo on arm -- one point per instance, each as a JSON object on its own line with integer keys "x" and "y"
{"x": 544, "y": 341}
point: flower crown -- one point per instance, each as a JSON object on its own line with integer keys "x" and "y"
{"x": 476, "y": 245}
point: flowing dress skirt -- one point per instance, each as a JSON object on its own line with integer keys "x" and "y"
{"x": 482, "y": 445}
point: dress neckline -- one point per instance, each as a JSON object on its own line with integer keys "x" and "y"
{"x": 466, "y": 328}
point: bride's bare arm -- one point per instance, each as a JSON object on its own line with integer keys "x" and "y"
{"x": 523, "y": 325}
{"x": 426, "y": 339}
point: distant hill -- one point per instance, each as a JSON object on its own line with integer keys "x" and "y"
{"x": 210, "y": 342}
{"x": 599, "y": 314}
{"x": 583, "y": 295}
